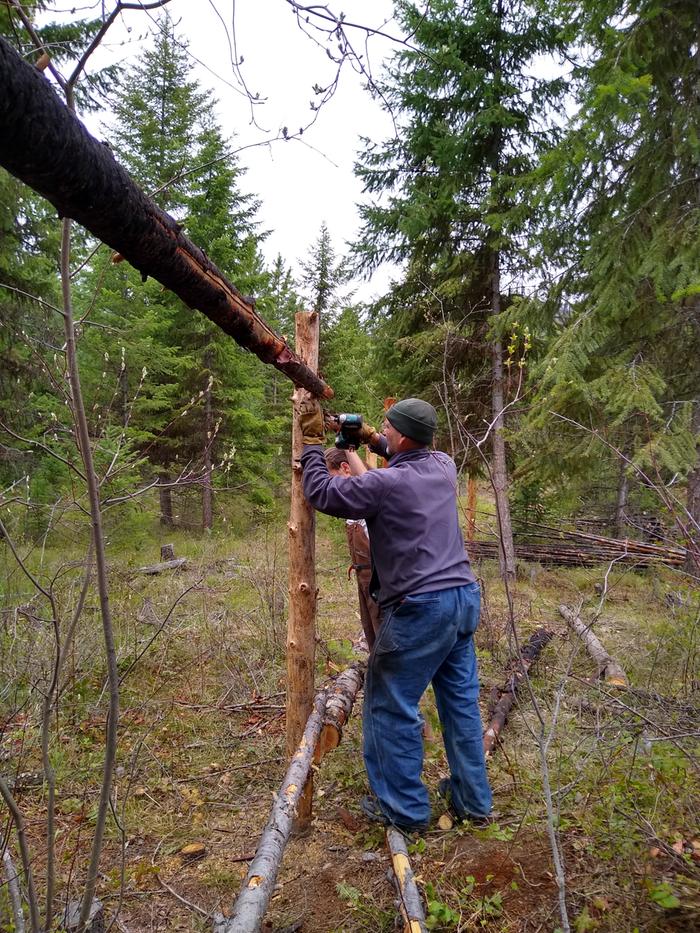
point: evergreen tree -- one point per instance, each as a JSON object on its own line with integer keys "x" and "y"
{"x": 625, "y": 202}
{"x": 474, "y": 117}
{"x": 200, "y": 405}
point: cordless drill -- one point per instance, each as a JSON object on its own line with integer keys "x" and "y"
{"x": 347, "y": 437}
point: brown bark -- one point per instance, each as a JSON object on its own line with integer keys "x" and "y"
{"x": 609, "y": 669}
{"x": 301, "y": 630}
{"x": 48, "y": 148}
{"x": 166, "y": 503}
{"x": 505, "y": 696}
{"x": 410, "y": 901}
{"x": 692, "y": 559}
{"x": 499, "y": 469}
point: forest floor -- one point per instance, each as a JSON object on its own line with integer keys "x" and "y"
{"x": 202, "y": 751}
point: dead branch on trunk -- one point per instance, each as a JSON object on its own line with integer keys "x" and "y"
{"x": 411, "y": 903}
{"x": 259, "y": 883}
{"x": 506, "y": 695}
{"x": 609, "y": 669}
{"x": 339, "y": 704}
{"x": 44, "y": 145}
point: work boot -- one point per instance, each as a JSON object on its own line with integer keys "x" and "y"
{"x": 444, "y": 790}
{"x": 371, "y": 809}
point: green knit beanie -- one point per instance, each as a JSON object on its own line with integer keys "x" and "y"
{"x": 414, "y": 418}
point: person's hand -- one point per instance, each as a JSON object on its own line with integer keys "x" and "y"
{"x": 330, "y": 422}
{"x": 366, "y": 433}
{"x": 311, "y": 422}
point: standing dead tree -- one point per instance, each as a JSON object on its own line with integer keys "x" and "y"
{"x": 301, "y": 628}
{"x": 44, "y": 145}
{"x": 609, "y": 669}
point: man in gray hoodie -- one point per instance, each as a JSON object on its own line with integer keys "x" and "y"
{"x": 430, "y": 604}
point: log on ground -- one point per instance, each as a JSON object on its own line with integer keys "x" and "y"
{"x": 410, "y": 901}
{"x": 341, "y": 698}
{"x": 609, "y": 669}
{"x": 529, "y": 653}
{"x": 252, "y": 902}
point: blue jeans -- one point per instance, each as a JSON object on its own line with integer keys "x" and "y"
{"x": 427, "y": 637}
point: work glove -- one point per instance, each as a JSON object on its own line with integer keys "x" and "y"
{"x": 311, "y": 422}
{"x": 364, "y": 435}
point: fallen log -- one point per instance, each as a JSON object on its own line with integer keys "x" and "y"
{"x": 506, "y": 694}
{"x": 44, "y": 145}
{"x": 410, "y": 901}
{"x": 609, "y": 669}
{"x": 341, "y": 698}
{"x": 154, "y": 569}
{"x": 251, "y": 904}
{"x": 331, "y": 710}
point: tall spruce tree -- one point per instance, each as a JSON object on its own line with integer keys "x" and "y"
{"x": 473, "y": 115}
{"x": 623, "y": 188}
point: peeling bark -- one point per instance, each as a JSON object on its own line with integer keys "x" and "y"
{"x": 410, "y": 901}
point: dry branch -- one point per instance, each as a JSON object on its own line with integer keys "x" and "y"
{"x": 48, "y": 148}
{"x": 609, "y": 669}
{"x": 250, "y": 907}
{"x": 529, "y": 653}
{"x": 410, "y": 900}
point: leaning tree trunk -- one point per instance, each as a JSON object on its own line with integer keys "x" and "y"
{"x": 499, "y": 469}
{"x": 301, "y": 631}
{"x": 692, "y": 560}
{"x": 44, "y": 145}
{"x": 207, "y": 492}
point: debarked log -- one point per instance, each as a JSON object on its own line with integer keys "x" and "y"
{"x": 341, "y": 698}
{"x": 609, "y": 669}
{"x": 251, "y": 904}
{"x": 411, "y": 903}
{"x": 529, "y": 653}
{"x": 44, "y": 145}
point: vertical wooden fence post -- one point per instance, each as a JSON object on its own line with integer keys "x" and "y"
{"x": 301, "y": 629}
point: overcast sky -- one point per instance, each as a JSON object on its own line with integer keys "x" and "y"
{"x": 301, "y": 183}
